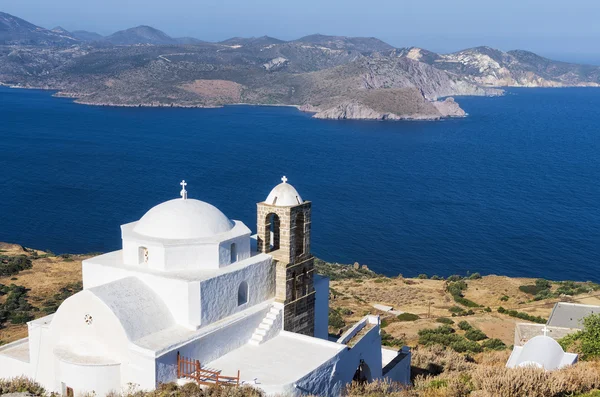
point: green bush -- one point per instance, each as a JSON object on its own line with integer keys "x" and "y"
{"x": 434, "y": 277}
{"x": 335, "y": 319}
{"x": 454, "y": 277}
{"x": 488, "y": 309}
{"x": 465, "y": 326}
{"x": 456, "y": 309}
{"x": 475, "y": 276}
{"x": 475, "y": 335}
{"x": 456, "y": 289}
{"x": 445, "y": 335}
{"x": 504, "y": 298}
{"x": 522, "y": 315}
{"x": 389, "y": 340}
{"x": 407, "y": 317}
{"x": 588, "y": 338}
{"x": 493, "y": 344}
{"x": 444, "y": 320}
{"x": 422, "y": 276}
{"x": 11, "y": 265}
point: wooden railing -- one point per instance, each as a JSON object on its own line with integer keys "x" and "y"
{"x": 191, "y": 369}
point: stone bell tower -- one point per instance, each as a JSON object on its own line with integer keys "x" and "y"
{"x": 284, "y": 232}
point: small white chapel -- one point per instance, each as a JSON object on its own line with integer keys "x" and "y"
{"x": 193, "y": 296}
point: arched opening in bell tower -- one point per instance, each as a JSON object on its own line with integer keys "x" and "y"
{"x": 273, "y": 226}
{"x": 299, "y": 238}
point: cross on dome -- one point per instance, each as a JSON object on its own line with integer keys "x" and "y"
{"x": 183, "y": 192}
{"x": 284, "y": 179}
{"x": 545, "y": 329}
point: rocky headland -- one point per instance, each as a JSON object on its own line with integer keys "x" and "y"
{"x": 334, "y": 77}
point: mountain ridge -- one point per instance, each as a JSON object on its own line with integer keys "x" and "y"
{"x": 330, "y": 76}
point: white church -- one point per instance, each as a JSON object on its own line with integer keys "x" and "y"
{"x": 193, "y": 296}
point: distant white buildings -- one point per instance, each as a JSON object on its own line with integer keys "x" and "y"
{"x": 536, "y": 344}
{"x": 541, "y": 352}
{"x": 192, "y": 296}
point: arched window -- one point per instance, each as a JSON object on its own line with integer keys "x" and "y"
{"x": 304, "y": 282}
{"x": 299, "y": 235}
{"x": 273, "y": 225}
{"x": 293, "y": 285}
{"x": 143, "y": 256}
{"x": 363, "y": 373}
{"x": 232, "y": 253}
{"x": 243, "y": 293}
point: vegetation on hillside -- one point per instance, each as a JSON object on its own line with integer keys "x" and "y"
{"x": 336, "y": 271}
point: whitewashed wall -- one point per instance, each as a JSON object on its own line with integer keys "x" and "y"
{"x": 211, "y": 346}
{"x": 219, "y": 295}
{"x": 180, "y": 296}
{"x": 12, "y": 367}
{"x": 84, "y": 379}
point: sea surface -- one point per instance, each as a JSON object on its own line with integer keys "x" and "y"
{"x": 512, "y": 189}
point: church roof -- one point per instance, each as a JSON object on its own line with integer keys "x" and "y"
{"x": 541, "y": 352}
{"x": 183, "y": 218}
{"x": 570, "y": 315}
{"x": 140, "y": 310}
{"x": 284, "y": 195}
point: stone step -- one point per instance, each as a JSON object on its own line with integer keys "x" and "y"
{"x": 265, "y": 326}
{"x": 260, "y": 331}
{"x": 271, "y": 316}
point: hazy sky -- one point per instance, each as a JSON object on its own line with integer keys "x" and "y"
{"x": 567, "y": 28}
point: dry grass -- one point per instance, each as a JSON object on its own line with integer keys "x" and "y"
{"x": 429, "y": 300}
{"x": 44, "y": 279}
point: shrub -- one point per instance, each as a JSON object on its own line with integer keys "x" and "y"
{"x": 422, "y": 276}
{"x": 456, "y": 309}
{"x": 456, "y": 289}
{"x": 382, "y": 280}
{"x": 407, "y": 317}
{"x": 21, "y": 385}
{"x": 588, "y": 338}
{"x": 434, "y": 277}
{"x": 522, "y": 315}
{"x": 488, "y": 309}
{"x": 454, "y": 277}
{"x": 389, "y": 340}
{"x": 504, "y": 298}
{"x": 475, "y": 276}
{"x": 475, "y": 335}
{"x": 335, "y": 319}
{"x": 444, "y": 320}
{"x": 493, "y": 344}
{"x": 345, "y": 311}
{"x": 11, "y": 265}
{"x": 465, "y": 326}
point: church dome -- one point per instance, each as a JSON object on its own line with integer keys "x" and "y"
{"x": 183, "y": 218}
{"x": 284, "y": 195}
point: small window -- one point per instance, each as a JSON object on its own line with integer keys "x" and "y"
{"x": 243, "y": 293}
{"x": 233, "y": 253}
{"x": 143, "y": 256}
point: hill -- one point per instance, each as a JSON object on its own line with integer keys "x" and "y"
{"x": 86, "y": 36}
{"x": 334, "y": 77}
{"x": 490, "y": 67}
{"x": 140, "y": 35}
{"x": 361, "y": 44}
{"x": 16, "y": 31}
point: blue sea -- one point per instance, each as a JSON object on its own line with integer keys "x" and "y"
{"x": 512, "y": 189}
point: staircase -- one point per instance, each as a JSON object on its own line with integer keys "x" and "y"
{"x": 270, "y": 325}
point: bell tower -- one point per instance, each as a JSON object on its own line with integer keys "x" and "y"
{"x": 283, "y": 222}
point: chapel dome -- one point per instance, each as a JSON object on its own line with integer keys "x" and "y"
{"x": 180, "y": 219}
{"x": 284, "y": 195}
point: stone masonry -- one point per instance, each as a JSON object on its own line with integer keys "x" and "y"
{"x": 294, "y": 265}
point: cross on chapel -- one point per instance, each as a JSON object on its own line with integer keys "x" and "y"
{"x": 284, "y": 179}
{"x": 183, "y": 192}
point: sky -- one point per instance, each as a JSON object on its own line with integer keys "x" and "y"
{"x": 565, "y": 29}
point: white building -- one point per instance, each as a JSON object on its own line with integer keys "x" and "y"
{"x": 192, "y": 286}
{"x": 541, "y": 352}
